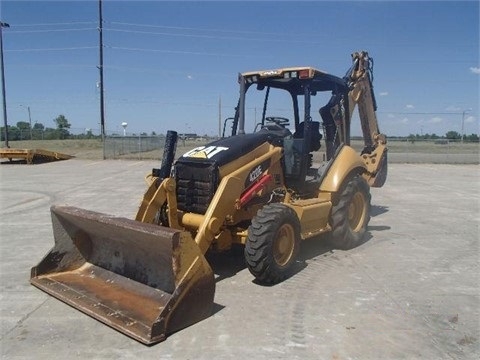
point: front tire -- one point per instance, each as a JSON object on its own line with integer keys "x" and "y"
{"x": 273, "y": 243}
{"x": 351, "y": 214}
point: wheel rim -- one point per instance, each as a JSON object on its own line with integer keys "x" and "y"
{"x": 284, "y": 244}
{"x": 356, "y": 212}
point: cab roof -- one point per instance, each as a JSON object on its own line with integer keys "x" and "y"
{"x": 293, "y": 79}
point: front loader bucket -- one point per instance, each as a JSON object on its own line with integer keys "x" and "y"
{"x": 143, "y": 280}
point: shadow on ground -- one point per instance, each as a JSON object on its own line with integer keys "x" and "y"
{"x": 229, "y": 263}
{"x": 376, "y": 210}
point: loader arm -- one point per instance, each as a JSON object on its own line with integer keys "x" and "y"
{"x": 224, "y": 203}
{"x": 153, "y": 200}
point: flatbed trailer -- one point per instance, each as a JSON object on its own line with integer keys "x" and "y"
{"x": 32, "y": 155}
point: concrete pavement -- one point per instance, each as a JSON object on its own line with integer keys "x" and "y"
{"x": 412, "y": 291}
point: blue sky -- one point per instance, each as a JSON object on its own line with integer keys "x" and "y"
{"x": 167, "y": 64}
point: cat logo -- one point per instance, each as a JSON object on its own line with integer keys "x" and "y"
{"x": 203, "y": 152}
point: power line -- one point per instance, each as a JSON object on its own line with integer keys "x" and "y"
{"x": 53, "y": 65}
{"x": 52, "y": 49}
{"x": 49, "y": 30}
{"x": 167, "y": 72}
{"x": 214, "y": 37}
{"x": 56, "y": 24}
{"x": 159, "y": 33}
{"x": 279, "y": 37}
{"x": 202, "y": 29}
{"x": 182, "y": 52}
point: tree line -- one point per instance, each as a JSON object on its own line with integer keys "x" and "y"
{"x": 24, "y": 131}
{"x": 450, "y": 135}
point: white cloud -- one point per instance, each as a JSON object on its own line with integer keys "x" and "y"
{"x": 384, "y": 93}
{"x": 189, "y": 77}
{"x": 470, "y": 119}
{"x": 475, "y": 70}
{"x": 409, "y": 106}
{"x": 452, "y": 108}
{"x": 391, "y": 116}
{"x": 404, "y": 121}
{"x": 435, "y": 120}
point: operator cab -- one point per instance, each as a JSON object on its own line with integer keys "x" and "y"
{"x": 298, "y": 85}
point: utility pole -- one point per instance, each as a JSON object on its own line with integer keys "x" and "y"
{"x": 4, "y": 96}
{"x": 30, "y": 121}
{"x": 463, "y": 123}
{"x": 100, "y": 67}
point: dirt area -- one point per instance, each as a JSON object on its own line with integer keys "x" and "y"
{"x": 404, "y": 151}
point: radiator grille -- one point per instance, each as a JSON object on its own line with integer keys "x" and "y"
{"x": 196, "y": 185}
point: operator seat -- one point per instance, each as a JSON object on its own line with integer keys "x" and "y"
{"x": 316, "y": 137}
{"x": 329, "y": 125}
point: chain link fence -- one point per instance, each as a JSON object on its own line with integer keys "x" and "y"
{"x": 140, "y": 147}
{"x": 439, "y": 151}
{"x": 150, "y": 147}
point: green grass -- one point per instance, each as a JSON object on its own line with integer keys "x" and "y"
{"x": 430, "y": 147}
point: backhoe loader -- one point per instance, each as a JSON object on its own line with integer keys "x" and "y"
{"x": 149, "y": 277}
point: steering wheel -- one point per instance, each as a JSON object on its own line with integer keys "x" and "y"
{"x": 281, "y": 121}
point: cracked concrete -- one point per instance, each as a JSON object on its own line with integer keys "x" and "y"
{"x": 411, "y": 291}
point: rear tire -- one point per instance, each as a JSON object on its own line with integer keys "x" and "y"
{"x": 351, "y": 214}
{"x": 273, "y": 243}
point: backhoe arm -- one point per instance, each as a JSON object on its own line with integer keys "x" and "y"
{"x": 361, "y": 95}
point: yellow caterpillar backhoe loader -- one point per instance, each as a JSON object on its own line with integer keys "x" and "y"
{"x": 148, "y": 277}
